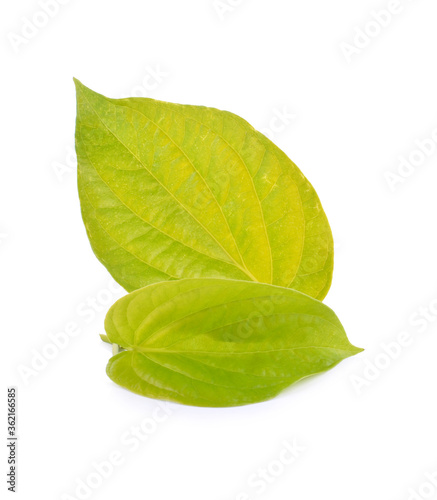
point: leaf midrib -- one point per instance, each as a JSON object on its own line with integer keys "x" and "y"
{"x": 209, "y": 308}
{"x": 233, "y": 261}
{"x": 235, "y": 353}
{"x": 195, "y": 169}
{"x": 247, "y": 170}
{"x": 149, "y": 224}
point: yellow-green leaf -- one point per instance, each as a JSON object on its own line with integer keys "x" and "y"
{"x": 219, "y": 342}
{"x": 172, "y": 191}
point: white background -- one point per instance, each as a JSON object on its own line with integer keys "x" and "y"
{"x": 349, "y": 121}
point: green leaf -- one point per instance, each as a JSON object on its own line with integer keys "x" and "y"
{"x": 218, "y": 342}
{"x": 172, "y": 191}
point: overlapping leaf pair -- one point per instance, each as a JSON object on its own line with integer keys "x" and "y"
{"x": 221, "y": 240}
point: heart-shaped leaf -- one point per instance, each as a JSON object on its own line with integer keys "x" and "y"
{"x": 173, "y": 191}
{"x": 218, "y": 342}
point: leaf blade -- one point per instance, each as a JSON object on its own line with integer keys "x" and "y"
{"x": 182, "y": 191}
{"x": 225, "y": 343}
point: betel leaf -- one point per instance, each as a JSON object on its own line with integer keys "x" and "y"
{"x": 219, "y": 342}
{"x": 172, "y": 191}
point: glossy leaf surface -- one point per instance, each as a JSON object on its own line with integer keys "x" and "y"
{"x": 173, "y": 191}
{"x": 216, "y": 342}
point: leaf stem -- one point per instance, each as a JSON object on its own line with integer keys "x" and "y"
{"x": 115, "y": 347}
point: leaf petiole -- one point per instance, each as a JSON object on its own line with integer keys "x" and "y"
{"x": 115, "y": 347}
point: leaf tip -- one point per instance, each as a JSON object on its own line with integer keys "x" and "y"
{"x": 356, "y": 350}
{"x": 84, "y": 91}
{"x": 80, "y": 87}
{"x": 77, "y": 83}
